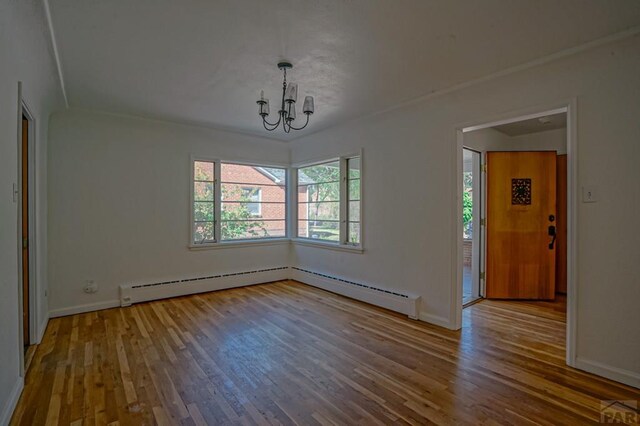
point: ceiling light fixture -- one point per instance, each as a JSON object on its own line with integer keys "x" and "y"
{"x": 287, "y": 112}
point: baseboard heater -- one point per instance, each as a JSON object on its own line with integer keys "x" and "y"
{"x": 135, "y": 293}
{"x": 404, "y": 303}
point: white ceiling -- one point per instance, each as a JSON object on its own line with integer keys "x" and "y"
{"x": 205, "y": 61}
{"x": 534, "y": 125}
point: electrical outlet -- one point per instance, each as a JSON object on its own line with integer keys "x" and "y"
{"x": 90, "y": 287}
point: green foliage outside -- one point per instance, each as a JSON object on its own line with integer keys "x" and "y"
{"x": 236, "y": 220}
{"x": 467, "y": 205}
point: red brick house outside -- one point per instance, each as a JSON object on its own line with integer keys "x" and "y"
{"x": 256, "y": 196}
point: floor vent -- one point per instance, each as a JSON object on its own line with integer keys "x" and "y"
{"x": 405, "y": 303}
{"x": 135, "y": 293}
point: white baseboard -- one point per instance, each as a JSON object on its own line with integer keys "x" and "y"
{"x": 627, "y": 377}
{"x": 436, "y": 320}
{"x": 89, "y": 307}
{"x": 10, "y": 405}
{"x": 403, "y": 303}
{"x": 130, "y": 294}
{"x": 42, "y": 328}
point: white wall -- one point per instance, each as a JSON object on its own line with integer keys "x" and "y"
{"x": 25, "y": 55}
{"x": 493, "y": 140}
{"x": 119, "y": 205}
{"x": 410, "y": 187}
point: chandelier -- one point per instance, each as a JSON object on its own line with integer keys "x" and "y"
{"x": 287, "y": 112}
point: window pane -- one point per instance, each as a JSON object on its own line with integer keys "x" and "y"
{"x": 202, "y": 211}
{"x": 253, "y": 175}
{"x": 354, "y": 189}
{"x": 319, "y": 211}
{"x": 319, "y": 192}
{"x": 203, "y": 191}
{"x": 203, "y": 170}
{"x": 233, "y": 210}
{"x": 353, "y": 197}
{"x": 328, "y": 231}
{"x": 248, "y": 229}
{"x": 327, "y": 172}
{"x": 253, "y": 202}
{"x": 354, "y": 211}
{"x": 354, "y": 167}
{"x": 203, "y": 232}
{"x": 253, "y": 192}
{"x": 354, "y": 233}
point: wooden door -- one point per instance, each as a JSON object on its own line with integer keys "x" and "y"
{"x": 25, "y": 230}
{"x": 521, "y": 208}
{"x": 561, "y": 240}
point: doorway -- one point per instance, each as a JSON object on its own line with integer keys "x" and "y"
{"x": 25, "y": 197}
{"x": 471, "y": 235}
{"x": 24, "y": 229}
{"x": 545, "y": 134}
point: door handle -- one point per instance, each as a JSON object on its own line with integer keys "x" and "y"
{"x": 552, "y": 232}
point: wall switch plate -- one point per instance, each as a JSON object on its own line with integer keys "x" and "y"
{"x": 589, "y": 194}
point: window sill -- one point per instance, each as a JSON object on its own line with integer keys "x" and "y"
{"x": 327, "y": 245}
{"x": 242, "y": 243}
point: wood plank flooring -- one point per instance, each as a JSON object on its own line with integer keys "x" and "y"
{"x": 287, "y": 353}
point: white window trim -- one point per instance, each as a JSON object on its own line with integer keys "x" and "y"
{"x": 291, "y": 206}
{"x": 342, "y": 244}
{"x": 217, "y": 203}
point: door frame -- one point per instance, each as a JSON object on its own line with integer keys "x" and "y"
{"x": 570, "y": 108}
{"x": 478, "y": 248}
{"x": 24, "y": 110}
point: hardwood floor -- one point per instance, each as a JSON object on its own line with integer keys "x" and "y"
{"x": 287, "y": 353}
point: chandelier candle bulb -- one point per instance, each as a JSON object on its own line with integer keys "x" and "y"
{"x": 292, "y": 92}
{"x": 292, "y": 112}
{"x": 308, "y": 107}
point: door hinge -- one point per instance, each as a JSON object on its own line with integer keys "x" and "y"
{"x": 25, "y": 243}
{"x": 482, "y": 275}
{"x": 483, "y": 222}
{"x": 483, "y": 167}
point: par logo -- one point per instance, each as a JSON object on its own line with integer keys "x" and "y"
{"x": 619, "y": 412}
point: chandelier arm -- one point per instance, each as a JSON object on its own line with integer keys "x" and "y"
{"x": 264, "y": 120}
{"x": 300, "y": 128}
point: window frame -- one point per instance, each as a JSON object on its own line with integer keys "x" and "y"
{"x": 217, "y": 205}
{"x": 343, "y": 241}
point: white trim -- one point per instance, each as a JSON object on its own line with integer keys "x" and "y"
{"x": 327, "y": 245}
{"x": 436, "y": 320}
{"x": 42, "y": 328}
{"x": 570, "y": 108}
{"x": 240, "y": 243}
{"x": 343, "y": 201}
{"x": 572, "y": 232}
{"x": 80, "y": 309}
{"x": 510, "y": 120}
{"x": 32, "y": 219}
{"x": 12, "y": 401}
{"x": 627, "y": 377}
{"x": 56, "y": 53}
